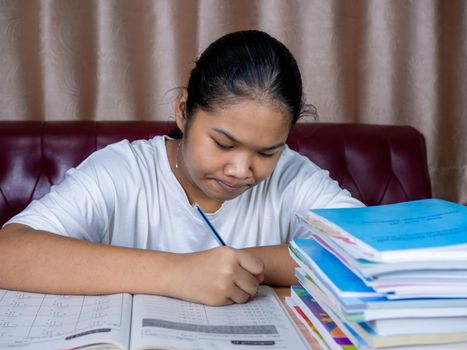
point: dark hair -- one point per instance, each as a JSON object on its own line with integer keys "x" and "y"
{"x": 246, "y": 64}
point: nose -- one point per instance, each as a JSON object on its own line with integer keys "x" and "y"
{"x": 239, "y": 166}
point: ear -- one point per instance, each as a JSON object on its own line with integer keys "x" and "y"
{"x": 180, "y": 111}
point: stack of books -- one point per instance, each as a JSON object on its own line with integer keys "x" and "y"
{"x": 391, "y": 276}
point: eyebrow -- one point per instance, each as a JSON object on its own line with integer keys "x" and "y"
{"x": 233, "y": 139}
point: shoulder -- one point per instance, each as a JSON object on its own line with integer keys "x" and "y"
{"x": 293, "y": 166}
{"x": 124, "y": 164}
{"x": 126, "y": 149}
{"x": 125, "y": 154}
{"x": 302, "y": 182}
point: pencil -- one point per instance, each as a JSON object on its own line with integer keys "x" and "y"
{"x": 208, "y": 224}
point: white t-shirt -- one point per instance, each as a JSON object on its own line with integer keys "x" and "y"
{"x": 127, "y": 195}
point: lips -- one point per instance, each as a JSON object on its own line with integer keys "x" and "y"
{"x": 231, "y": 187}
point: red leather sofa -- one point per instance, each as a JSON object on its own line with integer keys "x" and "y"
{"x": 377, "y": 164}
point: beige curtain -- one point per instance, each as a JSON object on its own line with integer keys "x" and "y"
{"x": 374, "y": 61}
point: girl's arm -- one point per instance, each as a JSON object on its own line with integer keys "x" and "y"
{"x": 278, "y": 264}
{"x": 43, "y": 262}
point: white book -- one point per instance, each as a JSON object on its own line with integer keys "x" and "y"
{"x": 33, "y": 321}
{"x": 412, "y": 325}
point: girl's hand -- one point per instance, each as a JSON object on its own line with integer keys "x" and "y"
{"x": 218, "y": 276}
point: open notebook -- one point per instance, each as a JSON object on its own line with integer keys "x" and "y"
{"x": 123, "y": 321}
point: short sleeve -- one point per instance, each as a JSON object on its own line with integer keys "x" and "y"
{"x": 74, "y": 208}
{"x": 81, "y": 206}
{"x": 311, "y": 187}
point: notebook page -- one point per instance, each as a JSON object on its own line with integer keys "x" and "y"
{"x": 46, "y": 321}
{"x": 262, "y": 323}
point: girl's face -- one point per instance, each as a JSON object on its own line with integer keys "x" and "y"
{"x": 227, "y": 151}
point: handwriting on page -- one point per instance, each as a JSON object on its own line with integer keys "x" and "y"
{"x": 34, "y": 317}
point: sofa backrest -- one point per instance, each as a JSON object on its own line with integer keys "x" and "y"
{"x": 377, "y": 164}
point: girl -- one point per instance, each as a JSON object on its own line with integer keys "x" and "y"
{"x": 123, "y": 221}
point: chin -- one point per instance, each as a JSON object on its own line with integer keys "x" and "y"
{"x": 222, "y": 197}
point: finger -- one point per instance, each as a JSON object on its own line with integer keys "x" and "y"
{"x": 246, "y": 282}
{"x": 250, "y": 263}
{"x": 239, "y": 296}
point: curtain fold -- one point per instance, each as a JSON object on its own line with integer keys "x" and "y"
{"x": 368, "y": 61}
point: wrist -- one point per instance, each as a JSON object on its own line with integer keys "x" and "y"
{"x": 153, "y": 272}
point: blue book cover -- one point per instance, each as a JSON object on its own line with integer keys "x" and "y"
{"x": 328, "y": 267}
{"x": 424, "y": 227}
{"x": 348, "y": 305}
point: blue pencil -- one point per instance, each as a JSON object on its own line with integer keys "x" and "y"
{"x": 208, "y": 225}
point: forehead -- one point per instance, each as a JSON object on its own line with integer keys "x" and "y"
{"x": 249, "y": 121}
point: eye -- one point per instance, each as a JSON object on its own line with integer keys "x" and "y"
{"x": 222, "y": 146}
{"x": 266, "y": 155}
